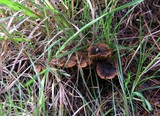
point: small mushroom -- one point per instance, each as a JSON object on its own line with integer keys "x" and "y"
{"x": 83, "y": 60}
{"x": 58, "y": 62}
{"x": 62, "y": 62}
{"x": 106, "y": 69}
{"x": 99, "y": 51}
{"x": 70, "y": 64}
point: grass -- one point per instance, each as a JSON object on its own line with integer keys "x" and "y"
{"x": 32, "y": 33}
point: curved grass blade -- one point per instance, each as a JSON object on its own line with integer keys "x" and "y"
{"x": 144, "y": 100}
{"x": 18, "y": 7}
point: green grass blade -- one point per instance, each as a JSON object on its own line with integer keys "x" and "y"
{"x": 150, "y": 88}
{"x": 34, "y": 78}
{"x": 15, "y": 39}
{"x": 146, "y": 102}
{"x": 18, "y": 7}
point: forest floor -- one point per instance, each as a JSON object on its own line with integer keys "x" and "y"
{"x": 34, "y": 36}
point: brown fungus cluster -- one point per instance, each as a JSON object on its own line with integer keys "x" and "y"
{"x": 99, "y": 54}
{"x": 80, "y": 59}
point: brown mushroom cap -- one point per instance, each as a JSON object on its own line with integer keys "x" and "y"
{"x": 106, "y": 69}
{"x": 69, "y": 64}
{"x": 83, "y": 60}
{"x": 99, "y": 51}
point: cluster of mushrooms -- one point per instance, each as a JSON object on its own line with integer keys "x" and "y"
{"x": 98, "y": 55}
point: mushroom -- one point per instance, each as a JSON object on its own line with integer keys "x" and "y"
{"x": 99, "y": 51}
{"x": 70, "y": 64}
{"x": 106, "y": 69}
{"x": 62, "y": 62}
{"x": 83, "y": 60}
